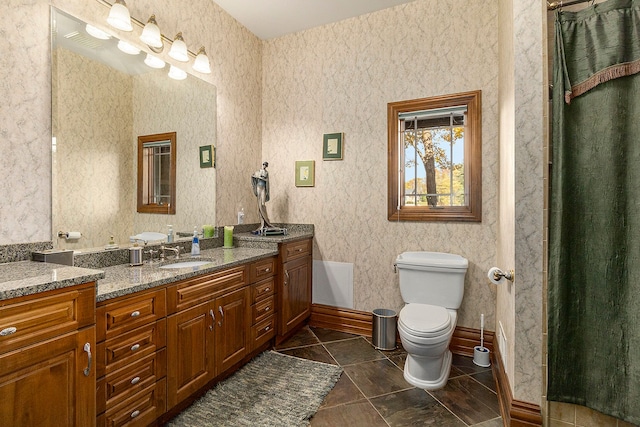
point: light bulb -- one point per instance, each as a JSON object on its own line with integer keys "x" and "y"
{"x": 177, "y": 74}
{"x": 201, "y": 63}
{"x": 151, "y": 33}
{"x": 119, "y": 16}
{"x": 154, "y": 61}
{"x": 179, "y": 49}
{"x": 127, "y": 48}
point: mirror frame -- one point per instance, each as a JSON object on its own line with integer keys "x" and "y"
{"x": 155, "y": 208}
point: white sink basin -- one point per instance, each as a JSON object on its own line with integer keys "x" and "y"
{"x": 186, "y": 264}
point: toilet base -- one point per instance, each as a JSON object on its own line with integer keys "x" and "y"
{"x": 429, "y": 384}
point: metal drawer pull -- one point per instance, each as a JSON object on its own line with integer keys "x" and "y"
{"x": 87, "y": 370}
{"x": 8, "y": 331}
{"x": 135, "y": 314}
{"x": 267, "y": 328}
{"x": 221, "y": 314}
{"x": 286, "y": 273}
{"x": 266, "y": 270}
{"x": 267, "y": 308}
{"x": 135, "y": 380}
{"x": 266, "y": 289}
{"x": 135, "y": 347}
{"x": 135, "y": 413}
{"x": 299, "y": 249}
{"x": 213, "y": 319}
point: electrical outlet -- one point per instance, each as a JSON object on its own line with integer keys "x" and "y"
{"x": 502, "y": 345}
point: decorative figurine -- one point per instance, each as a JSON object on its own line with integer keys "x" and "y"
{"x": 260, "y": 184}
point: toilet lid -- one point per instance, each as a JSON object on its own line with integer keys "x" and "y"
{"x": 424, "y": 319}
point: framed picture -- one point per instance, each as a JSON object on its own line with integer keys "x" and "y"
{"x": 207, "y": 156}
{"x": 332, "y": 146}
{"x": 305, "y": 173}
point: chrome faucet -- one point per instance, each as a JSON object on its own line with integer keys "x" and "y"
{"x": 176, "y": 249}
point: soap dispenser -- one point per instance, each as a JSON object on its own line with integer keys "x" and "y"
{"x": 170, "y": 234}
{"x": 195, "y": 243}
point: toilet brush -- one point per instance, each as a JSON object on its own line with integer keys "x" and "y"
{"x": 480, "y": 352}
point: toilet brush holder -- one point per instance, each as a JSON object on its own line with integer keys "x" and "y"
{"x": 481, "y": 356}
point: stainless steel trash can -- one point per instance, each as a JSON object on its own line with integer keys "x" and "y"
{"x": 384, "y": 329}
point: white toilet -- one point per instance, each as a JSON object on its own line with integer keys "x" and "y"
{"x": 432, "y": 285}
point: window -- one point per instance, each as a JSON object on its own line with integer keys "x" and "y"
{"x": 435, "y": 158}
{"x": 157, "y": 173}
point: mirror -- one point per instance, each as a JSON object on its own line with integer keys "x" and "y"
{"x": 102, "y": 101}
{"x": 157, "y": 173}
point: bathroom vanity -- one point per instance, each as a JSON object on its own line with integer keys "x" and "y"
{"x": 135, "y": 344}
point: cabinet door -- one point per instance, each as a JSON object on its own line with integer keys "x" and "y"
{"x": 190, "y": 351}
{"x": 45, "y": 384}
{"x": 296, "y": 293}
{"x": 233, "y": 314}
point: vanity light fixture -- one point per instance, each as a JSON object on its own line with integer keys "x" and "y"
{"x": 96, "y": 32}
{"x": 201, "y": 63}
{"x": 119, "y": 16}
{"x": 151, "y": 34}
{"x": 127, "y": 48}
{"x": 177, "y": 74}
{"x": 178, "y": 49}
{"x": 154, "y": 61}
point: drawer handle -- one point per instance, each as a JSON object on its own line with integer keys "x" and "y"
{"x": 8, "y": 331}
{"x": 213, "y": 319}
{"x": 135, "y": 380}
{"x": 266, "y": 289}
{"x": 135, "y": 314}
{"x": 135, "y": 347}
{"x": 286, "y": 273}
{"x": 267, "y": 328}
{"x": 135, "y": 413}
{"x": 221, "y": 314}
{"x": 267, "y": 308}
{"x": 266, "y": 270}
{"x": 87, "y": 370}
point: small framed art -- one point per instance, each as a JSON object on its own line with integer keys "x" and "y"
{"x": 332, "y": 146}
{"x": 305, "y": 173}
{"x": 207, "y": 156}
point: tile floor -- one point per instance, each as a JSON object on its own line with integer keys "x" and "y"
{"x": 372, "y": 391}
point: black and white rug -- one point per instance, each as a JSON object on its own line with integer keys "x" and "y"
{"x": 272, "y": 390}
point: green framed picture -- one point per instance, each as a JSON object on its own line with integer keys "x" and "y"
{"x": 305, "y": 173}
{"x": 207, "y": 156}
{"x": 332, "y": 146}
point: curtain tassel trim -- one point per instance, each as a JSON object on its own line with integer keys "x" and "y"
{"x": 602, "y": 76}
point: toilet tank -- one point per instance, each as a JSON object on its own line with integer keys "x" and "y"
{"x": 434, "y": 278}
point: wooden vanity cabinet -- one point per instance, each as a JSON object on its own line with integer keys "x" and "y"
{"x": 47, "y": 351}
{"x": 209, "y": 330}
{"x": 294, "y": 293}
{"x": 131, "y": 359}
{"x": 263, "y": 301}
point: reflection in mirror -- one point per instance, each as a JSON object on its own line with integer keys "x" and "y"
{"x": 101, "y": 103}
{"x": 157, "y": 173}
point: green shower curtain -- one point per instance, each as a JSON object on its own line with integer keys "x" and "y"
{"x": 594, "y": 213}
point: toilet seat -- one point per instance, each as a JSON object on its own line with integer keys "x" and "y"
{"x": 424, "y": 320}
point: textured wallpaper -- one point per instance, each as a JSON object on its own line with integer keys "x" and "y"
{"x": 339, "y": 78}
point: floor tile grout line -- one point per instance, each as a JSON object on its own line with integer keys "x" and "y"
{"x": 447, "y": 408}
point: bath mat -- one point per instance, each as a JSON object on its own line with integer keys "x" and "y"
{"x": 272, "y": 390}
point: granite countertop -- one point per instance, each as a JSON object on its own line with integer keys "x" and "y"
{"x": 123, "y": 280}
{"x": 29, "y": 277}
{"x": 254, "y": 240}
{"x": 23, "y": 278}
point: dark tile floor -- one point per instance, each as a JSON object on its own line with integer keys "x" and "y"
{"x": 372, "y": 391}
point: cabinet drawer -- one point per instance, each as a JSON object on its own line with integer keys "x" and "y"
{"x": 263, "y": 309}
{"x": 263, "y": 332}
{"x": 132, "y": 346}
{"x": 141, "y": 409}
{"x": 262, "y": 269}
{"x": 194, "y": 291}
{"x": 114, "y": 318}
{"x": 131, "y": 379}
{"x": 39, "y": 317}
{"x": 263, "y": 289}
{"x": 295, "y": 250}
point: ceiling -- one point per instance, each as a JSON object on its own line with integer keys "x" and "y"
{"x": 268, "y": 19}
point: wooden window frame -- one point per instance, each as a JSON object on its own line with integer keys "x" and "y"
{"x": 472, "y": 212}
